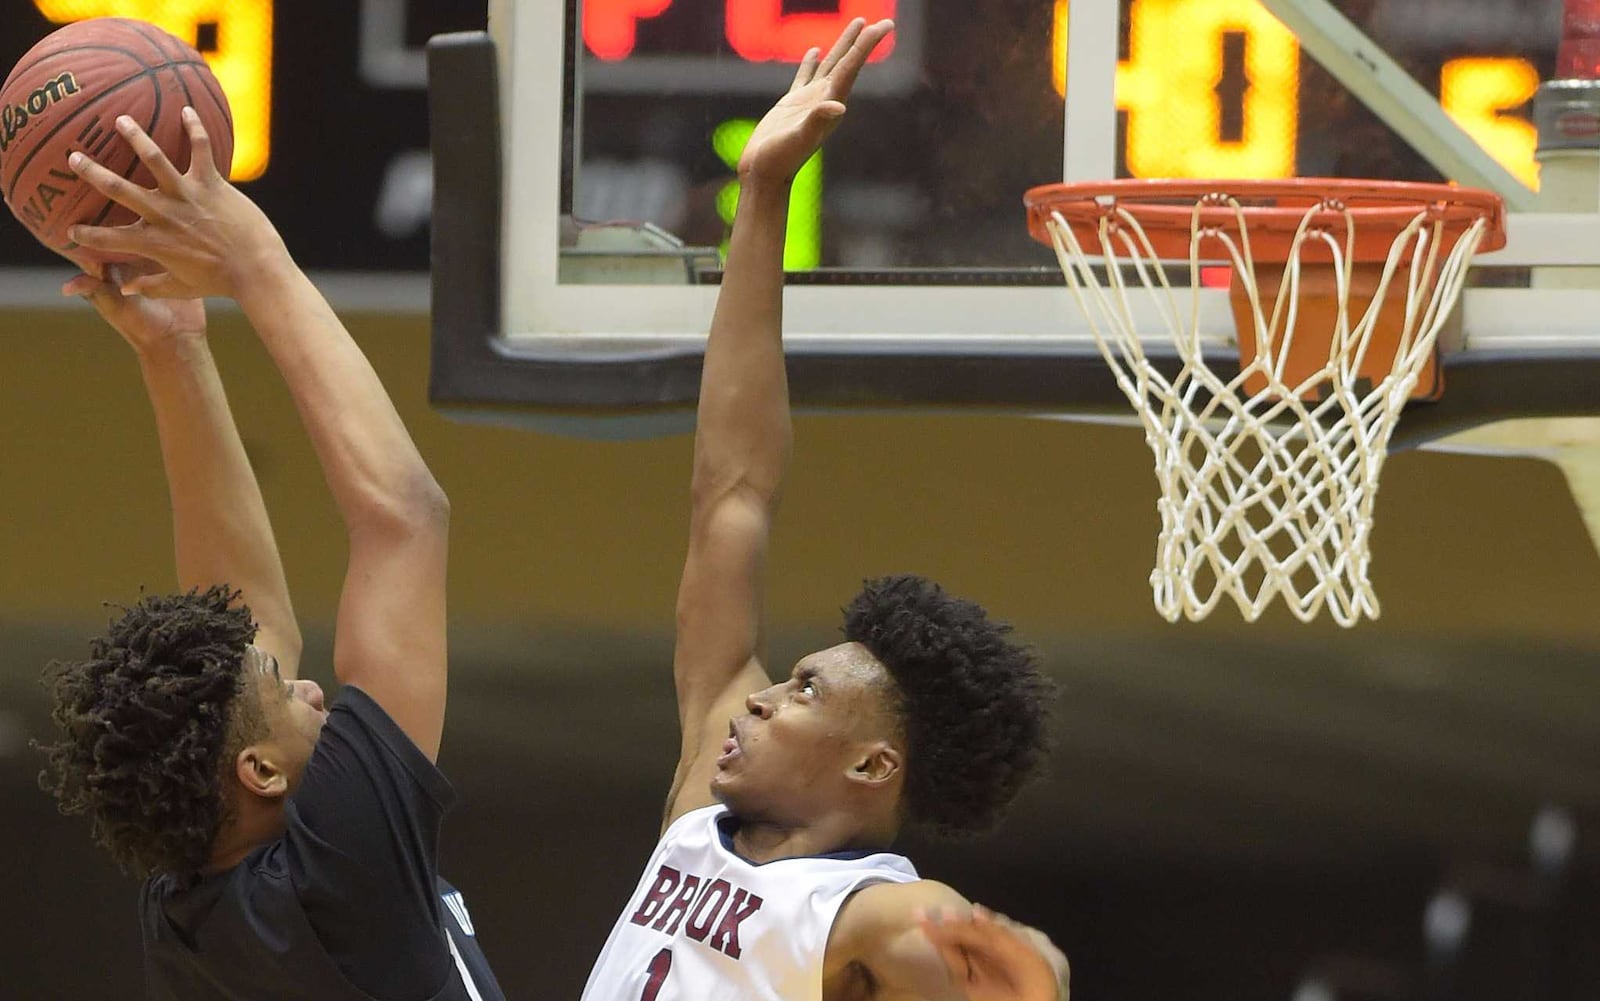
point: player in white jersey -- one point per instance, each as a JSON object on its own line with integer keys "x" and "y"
{"x": 771, "y": 881}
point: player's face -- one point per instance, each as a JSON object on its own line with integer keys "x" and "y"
{"x": 790, "y": 756}
{"x": 293, "y": 710}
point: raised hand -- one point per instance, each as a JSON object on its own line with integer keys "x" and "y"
{"x": 204, "y": 234}
{"x": 992, "y": 958}
{"x": 146, "y": 324}
{"x": 796, "y": 126}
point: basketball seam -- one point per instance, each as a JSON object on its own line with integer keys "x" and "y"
{"x": 133, "y": 167}
{"x": 138, "y": 28}
{"x": 188, "y": 99}
{"x": 97, "y": 47}
{"x": 218, "y": 97}
{"x": 205, "y": 78}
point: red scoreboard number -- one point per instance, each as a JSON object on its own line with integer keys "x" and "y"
{"x": 758, "y": 30}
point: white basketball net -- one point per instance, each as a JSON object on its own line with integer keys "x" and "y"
{"x": 1269, "y": 494}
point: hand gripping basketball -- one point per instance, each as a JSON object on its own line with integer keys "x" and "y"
{"x": 148, "y": 325}
{"x": 202, "y": 231}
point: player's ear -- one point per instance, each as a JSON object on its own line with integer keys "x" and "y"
{"x": 878, "y": 764}
{"x": 258, "y": 774}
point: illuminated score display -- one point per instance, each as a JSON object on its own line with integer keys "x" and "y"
{"x": 961, "y": 113}
{"x": 240, "y": 54}
{"x": 758, "y": 30}
{"x": 1204, "y": 88}
{"x": 1173, "y": 88}
{"x": 735, "y": 46}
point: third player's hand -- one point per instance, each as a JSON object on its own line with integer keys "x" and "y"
{"x": 990, "y": 957}
{"x": 796, "y": 126}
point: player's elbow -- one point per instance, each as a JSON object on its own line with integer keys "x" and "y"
{"x": 756, "y": 470}
{"x": 417, "y": 506}
{"x": 715, "y": 493}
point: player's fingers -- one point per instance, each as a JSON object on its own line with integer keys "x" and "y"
{"x": 842, "y": 46}
{"x": 808, "y": 69}
{"x": 82, "y": 285}
{"x": 843, "y": 76}
{"x": 969, "y": 932}
{"x": 947, "y": 926}
{"x": 202, "y": 163}
{"x": 157, "y": 286}
{"x": 828, "y": 113}
{"x": 151, "y": 155}
{"x": 119, "y": 189}
{"x": 111, "y": 239}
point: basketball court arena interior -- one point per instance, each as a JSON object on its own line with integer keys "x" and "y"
{"x": 1379, "y": 782}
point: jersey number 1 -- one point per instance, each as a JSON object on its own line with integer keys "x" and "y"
{"x": 659, "y": 968}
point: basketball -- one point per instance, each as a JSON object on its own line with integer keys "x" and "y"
{"x": 65, "y": 95}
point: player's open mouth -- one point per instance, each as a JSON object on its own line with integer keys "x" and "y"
{"x": 730, "y": 747}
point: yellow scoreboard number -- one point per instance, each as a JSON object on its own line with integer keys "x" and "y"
{"x": 1168, "y": 88}
{"x": 242, "y": 59}
{"x": 1479, "y": 93}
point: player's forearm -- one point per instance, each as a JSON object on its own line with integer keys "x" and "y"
{"x": 221, "y": 530}
{"x": 378, "y": 478}
{"x": 743, "y": 434}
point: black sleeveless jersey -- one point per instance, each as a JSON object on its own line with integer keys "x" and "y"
{"x": 346, "y": 904}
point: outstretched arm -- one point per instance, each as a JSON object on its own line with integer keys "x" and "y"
{"x": 220, "y": 528}
{"x": 742, "y": 431}
{"x": 212, "y": 240}
{"x": 924, "y": 941}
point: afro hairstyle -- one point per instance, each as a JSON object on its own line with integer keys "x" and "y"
{"x": 974, "y": 705}
{"x": 146, "y": 724}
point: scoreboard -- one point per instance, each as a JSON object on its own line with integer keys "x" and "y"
{"x": 966, "y": 113}
{"x": 962, "y": 114}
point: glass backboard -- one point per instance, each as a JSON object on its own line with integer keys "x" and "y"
{"x": 583, "y": 151}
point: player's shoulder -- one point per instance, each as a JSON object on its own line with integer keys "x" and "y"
{"x": 885, "y": 908}
{"x": 874, "y": 923}
{"x": 360, "y": 738}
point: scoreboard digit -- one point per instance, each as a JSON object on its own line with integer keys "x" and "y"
{"x": 1175, "y": 89}
{"x": 758, "y": 30}
{"x": 235, "y": 36}
{"x": 611, "y": 27}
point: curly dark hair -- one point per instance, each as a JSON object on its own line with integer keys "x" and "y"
{"x": 974, "y": 705}
{"x": 147, "y": 722}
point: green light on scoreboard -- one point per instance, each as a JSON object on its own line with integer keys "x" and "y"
{"x": 802, "y": 249}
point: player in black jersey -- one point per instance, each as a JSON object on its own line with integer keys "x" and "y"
{"x": 289, "y": 850}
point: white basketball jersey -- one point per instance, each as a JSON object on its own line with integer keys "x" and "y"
{"x": 704, "y": 924}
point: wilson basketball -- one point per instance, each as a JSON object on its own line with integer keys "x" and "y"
{"x": 65, "y": 95}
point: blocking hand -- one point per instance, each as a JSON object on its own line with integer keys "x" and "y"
{"x": 796, "y": 126}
